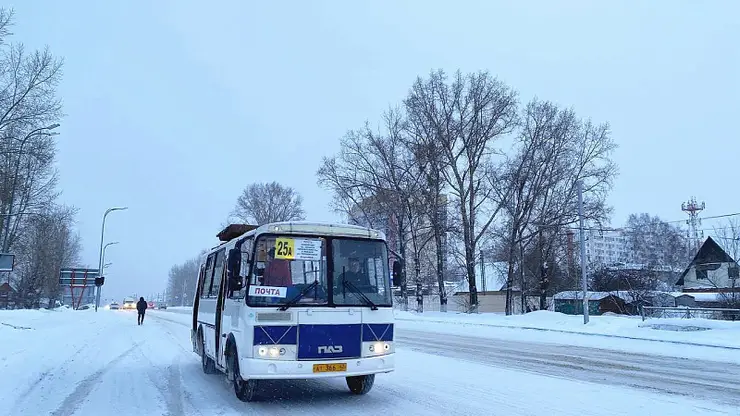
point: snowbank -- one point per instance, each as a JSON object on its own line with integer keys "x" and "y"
{"x": 698, "y": 332}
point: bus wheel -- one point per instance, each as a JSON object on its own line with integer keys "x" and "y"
{"x": 209, "y": 367}
{"x": 245, "y": 390}
{"x": 361, "y": 384}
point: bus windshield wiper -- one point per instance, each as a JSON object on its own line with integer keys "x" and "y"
{"x": 298, "y": 297}
{"x": 359, "y": 293}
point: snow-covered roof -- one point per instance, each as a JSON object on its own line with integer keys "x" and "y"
{"x": 571, "y": 295}
{"x": 709, "y": 253}
{"x": 641, "y": 266}
{"x": 626, "y": 296}
{"x": 706, "y": 296}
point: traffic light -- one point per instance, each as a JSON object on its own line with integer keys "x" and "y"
{"x": 99, "y": 281}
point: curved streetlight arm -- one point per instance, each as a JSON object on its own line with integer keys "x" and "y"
{"x": 100, "y": 258}
{"x": 103, "y": 258}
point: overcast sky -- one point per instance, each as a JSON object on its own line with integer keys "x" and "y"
{"x": 174, "y": 106}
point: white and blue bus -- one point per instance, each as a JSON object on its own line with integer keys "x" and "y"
{"x": 295, "y": 300}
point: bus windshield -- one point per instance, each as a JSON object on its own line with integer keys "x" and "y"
{"x": 360, "y": 273}
{"x": 286, "y": 265}
{"x": 290, "y": 267}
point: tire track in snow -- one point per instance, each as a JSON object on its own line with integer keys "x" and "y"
{"x": 175, "y": 395}
{"x": 51, "y": 371}
{"x": 83, "y": 389}
{"x": 706, "y": 380}
{"x": 170, "y": 389}
{"x": 43, "y": 376}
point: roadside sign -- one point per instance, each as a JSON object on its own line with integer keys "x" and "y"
{"x": 7, "y": 261}
{"x": 78, "y": 277}
{"x": 83, "y": 280}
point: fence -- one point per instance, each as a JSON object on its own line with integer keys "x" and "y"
{"x": 689, "y": 313}
{"x": 487, "y": 303}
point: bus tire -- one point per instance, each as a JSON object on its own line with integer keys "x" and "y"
{"x": 361, "y": 384}
{"x": 245, "y": 390}
{"x": 209, "y": 367}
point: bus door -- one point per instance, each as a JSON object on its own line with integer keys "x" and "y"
{"x": 196, "y": 305}
{"x": 218, "y": 291}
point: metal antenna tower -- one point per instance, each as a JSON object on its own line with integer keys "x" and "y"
{"x": 695, "y": 234}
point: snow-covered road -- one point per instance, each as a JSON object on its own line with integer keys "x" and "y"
{"x": 708, "y": 380}
{"x": 80, "y": 363}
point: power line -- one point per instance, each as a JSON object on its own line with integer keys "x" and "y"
{"x": 624, "y": 228}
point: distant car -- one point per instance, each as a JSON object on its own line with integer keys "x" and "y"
{"x": 162, "y": 305}
{"x": 150, "y": 305}
{"x": 129, "y": 303}
{"x": 114, "y": 306}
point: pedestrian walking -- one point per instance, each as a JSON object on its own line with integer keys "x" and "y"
{"x": 141, "y": 307}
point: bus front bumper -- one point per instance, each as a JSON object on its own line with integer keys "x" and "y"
{"x": 252, "y": 368}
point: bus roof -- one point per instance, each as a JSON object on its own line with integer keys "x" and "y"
{"x": 302, "y": 227}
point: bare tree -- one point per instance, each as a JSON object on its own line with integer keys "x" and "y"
{"x": 47, "y": 244}
{"x": 430, "y": 162}
{"x": 182, "y": 281}
{"x": 29, "y": 109}
{"x": 538, "y": 188}
{"x": 263, "y": 203}
{"x": 465, "y": 117}
{"x": 28, "y": 182}
{"x": 375, "y": 182}
{"x": 655, "y": 243}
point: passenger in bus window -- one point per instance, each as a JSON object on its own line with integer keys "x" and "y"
{"x": 354, "y": 275}
{"x": 277, "y": 271}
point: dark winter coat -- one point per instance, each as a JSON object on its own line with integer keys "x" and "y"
{"x": 141, "y": 306}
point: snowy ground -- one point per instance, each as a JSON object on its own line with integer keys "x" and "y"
{"x": 716, "y": 341}
{"x": 87, "y": 363}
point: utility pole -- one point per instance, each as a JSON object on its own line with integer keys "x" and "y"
{"x": 543, "y": 269}
{"x": 583, "y": 252}
{"x": 523, "y": 288}
{"x": 482, "y": 273}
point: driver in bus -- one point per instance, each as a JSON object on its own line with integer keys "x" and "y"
{"x": 354, "y": 275}
{"x": 277, "y": 271}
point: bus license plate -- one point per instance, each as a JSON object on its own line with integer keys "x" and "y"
{"x": 329, "y": 368}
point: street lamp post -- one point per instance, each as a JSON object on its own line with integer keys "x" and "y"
{"x": 584, "y": 275}
{"x": 100, "y": 259}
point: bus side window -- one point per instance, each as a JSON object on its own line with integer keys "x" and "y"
{"x": 218, "y": 269}
{"x": 258, "y": 262}
{"x": 201, "y": 276}
{"x": 208, "y": 278}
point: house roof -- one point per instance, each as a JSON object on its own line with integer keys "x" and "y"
{"x": 709, "y": 252}
{"x": 5, "y": 287}
{"x": 576, "y": 295}
{"x": 626, "y": 296}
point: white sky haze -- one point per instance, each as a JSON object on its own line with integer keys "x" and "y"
{"x": 174, "y": 106}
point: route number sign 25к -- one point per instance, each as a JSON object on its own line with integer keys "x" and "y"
{"x": 297, "y": 248}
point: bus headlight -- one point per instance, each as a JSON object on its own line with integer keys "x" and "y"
{"x": 271, "y": 352}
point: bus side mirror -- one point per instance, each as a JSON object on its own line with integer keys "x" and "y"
{"x": 396, "y": 273}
